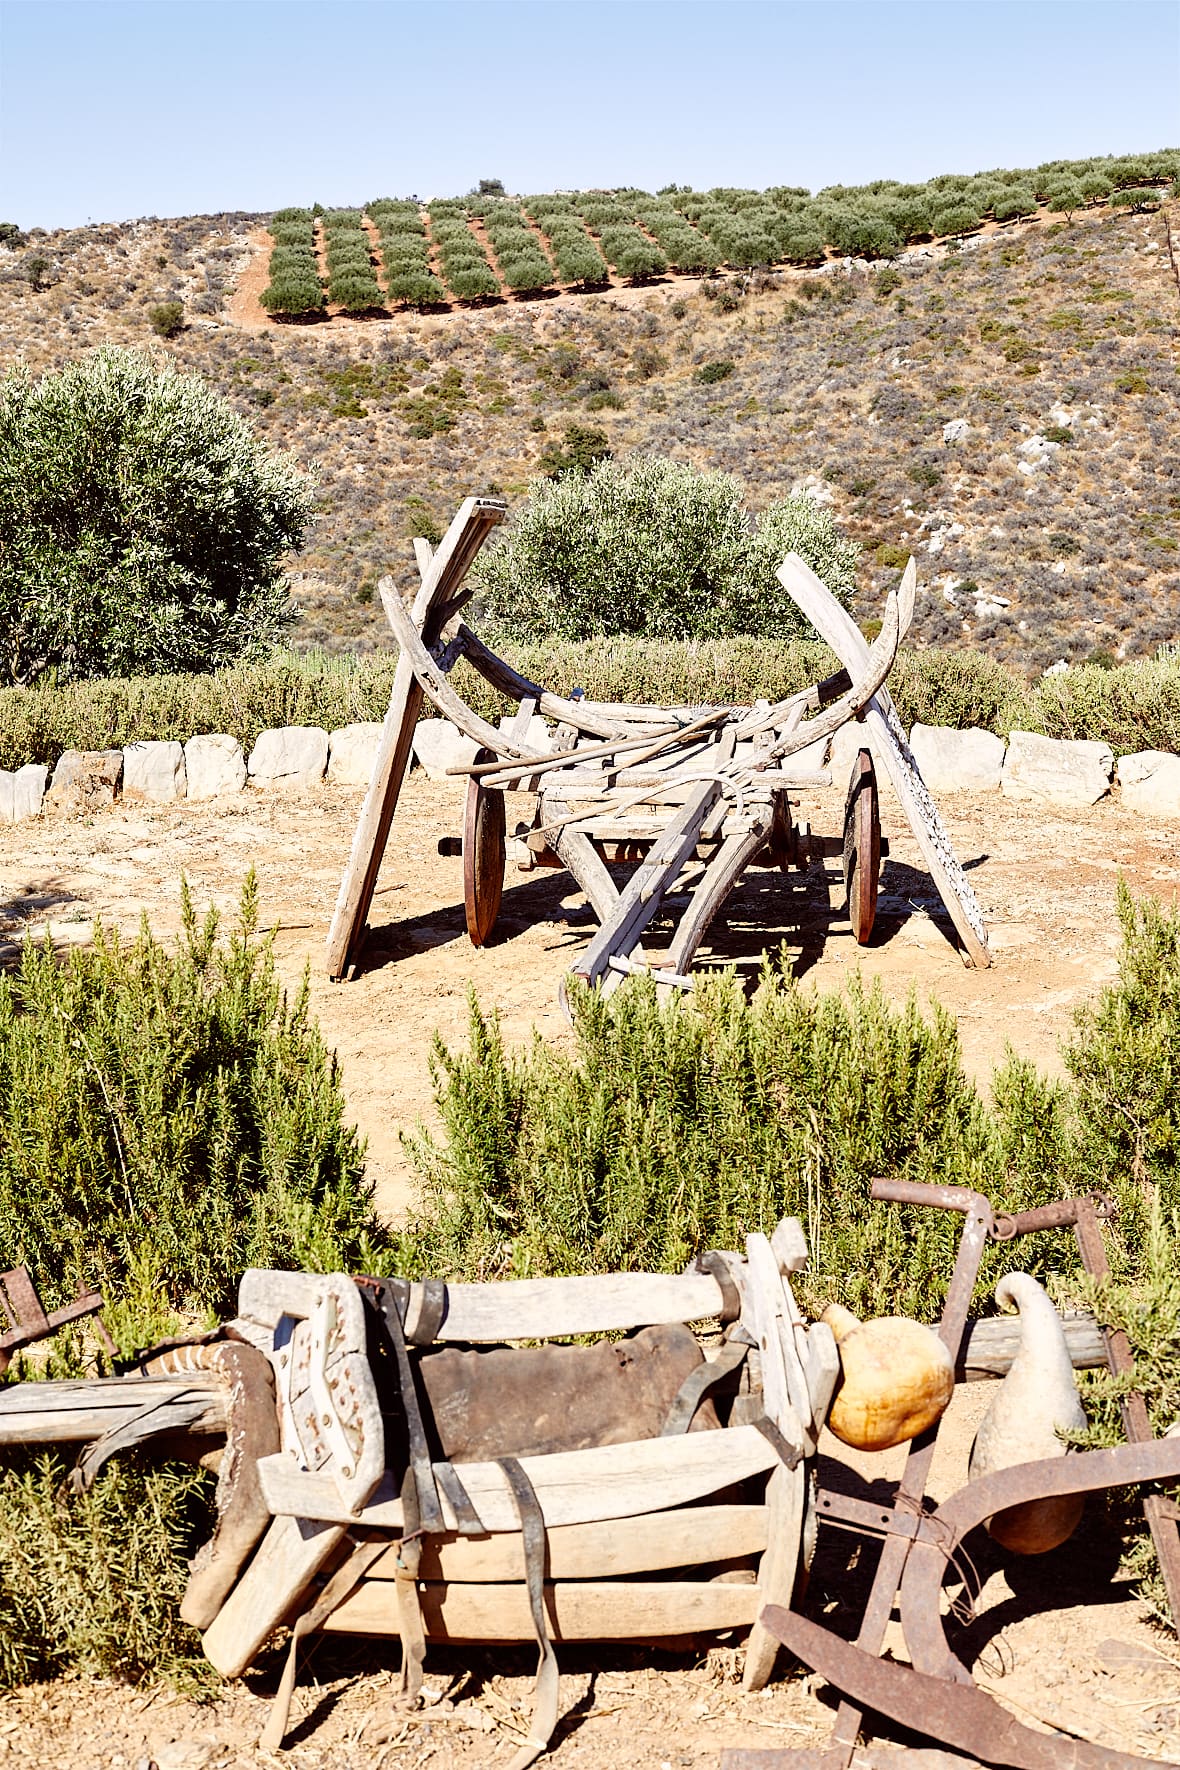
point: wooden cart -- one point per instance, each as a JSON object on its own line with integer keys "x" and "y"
{"x": 644, "y": 1540}
{"x": 689, "y": 796}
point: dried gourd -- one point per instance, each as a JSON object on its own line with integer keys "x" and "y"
{"x": 1037, "y": 1400}
{"x": 896, "y": 1379}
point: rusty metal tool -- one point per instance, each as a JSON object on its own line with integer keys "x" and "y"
{"x": 937, "y": 1696}
{"x": 28, "y": 1321}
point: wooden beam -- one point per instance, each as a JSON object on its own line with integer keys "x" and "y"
{"x": 890, "y": 747}
{"x": 583, "y": 1610}
{"x": 442, "y": 576}
{"x": 77, "y": 1411}
{"x": 694, "y": 1536}
{"x": 573, "y": 1487}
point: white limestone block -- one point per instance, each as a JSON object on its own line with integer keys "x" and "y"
{"x": 439, "y": 745}
{"x": 1059, "y": 771}
{"x": 154, "y": 771}
{"x": 1150, "y": 782}
{"x": 352, "y": 751}
{"x": 952, "y": 761}
{"x": 214, "y": 765}
{"x": 22, "y": 791}
{"x": 291, "y": 756}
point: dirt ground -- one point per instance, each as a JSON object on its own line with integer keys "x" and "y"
{"x": 1061, "y": 1642}
{"x": 1045, "y": 879}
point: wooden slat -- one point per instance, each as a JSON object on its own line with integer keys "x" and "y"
{"x": 73, "y": 1412}
{"x": 587, "y": 1610}
{"x": 640, "y": 901}
{"x": 990, "y": 1345}
{"x": 694, "y": 1536}
{"x": 286, "y": 1561}
{"x": 573, "y": 1487}
{"x": 890, "y": 748}
{"x": 473, "y": 522}
{"x": 518, "y": 1309}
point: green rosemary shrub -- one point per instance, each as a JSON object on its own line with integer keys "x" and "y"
{"x": 170, "y": 1119}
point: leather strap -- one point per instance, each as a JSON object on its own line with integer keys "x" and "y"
{"x": 384, "y": 1293}
{"x": 697, "y": 1385}
{"x": 337, "y": 1589}
{"x": 717, "y": 1267}
{"x": 534, "y": 1542}
{"x": 467, "y": 1519}
{"x": 785, "y": 1452}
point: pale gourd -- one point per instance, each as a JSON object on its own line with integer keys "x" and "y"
{"x": 1037, "y": 1399}
{"x": 896, "y": 1379}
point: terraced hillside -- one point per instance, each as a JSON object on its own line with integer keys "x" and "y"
{"x": 1001, "y": 403}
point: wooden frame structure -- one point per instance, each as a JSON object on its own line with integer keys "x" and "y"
{"x": 691, "y": 796}
{"x": 614, "y": 1515}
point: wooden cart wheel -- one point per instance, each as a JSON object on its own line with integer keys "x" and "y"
{"x": 484, "y": 855}
{"x": 862, "y": 846}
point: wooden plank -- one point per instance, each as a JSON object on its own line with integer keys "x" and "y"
{"x": 891, "y": 749}
{"x": 595, "y": 718}
{"x": 474, "y": 521}
{"x": 286, "y": 1561}
{"x": 517, "y": 1309}
{"x": 990, "y": 1345}
{"x": 722, "y": 874}
{"x": 77, "y": 1411}
{"x": 692, "y": 1537}
{"x": 584, "y": 1610}
{"x": 784, "y": 1385}
{"x": 573, "y": 1487}
{"x": 640, "y": 901}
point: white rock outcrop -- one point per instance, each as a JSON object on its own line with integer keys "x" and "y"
{"x": 1150, "y": 782}
{"x": 1058, "y": 771}
{"x": 956, "y": 431}
{"x": 154, "y": 771}
{"x": 439, "y": 745}
{"x": 22, "y": 791}
{"x": 352, "y": 751}
{"x": 291, "y": 756}
{"x": 953, "y": 761}
{"x": 214, "y": 765}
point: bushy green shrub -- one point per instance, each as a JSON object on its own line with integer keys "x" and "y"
{"x": 170, "y": 1119}
{"x": 142, "y": 525}
{"x": 654, "y": 547}
{"x": 668, "y": 1130}
{"x": 167, "y": 318}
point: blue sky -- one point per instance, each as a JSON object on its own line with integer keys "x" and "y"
{"x": 177, "y": 107}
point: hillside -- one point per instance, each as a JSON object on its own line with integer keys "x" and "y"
{"x": 1004, "y": 404}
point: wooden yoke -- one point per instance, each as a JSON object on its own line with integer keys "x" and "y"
{"x": 438, "y": 600}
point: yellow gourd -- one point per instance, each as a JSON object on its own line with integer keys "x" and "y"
{"x": 896, "y": 1379}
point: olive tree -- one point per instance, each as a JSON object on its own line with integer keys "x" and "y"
{"x": 655, "y": 548}
{"x": 142, "y": 524}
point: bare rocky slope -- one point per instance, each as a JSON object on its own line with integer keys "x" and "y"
{"x": 1006, "y": 410}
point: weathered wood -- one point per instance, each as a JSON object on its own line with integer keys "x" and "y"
{"x": 473, "y": 522}
{"x": 286, "y": 1561}
{"x": 890, "y": 748}
{"x": 990, "y": 1345}
{"x": 573, "y": 1487}
{"x": 784, "y": 1388}
{"x": 640, "y": 901}
{"x": 517, "y": 1309}
{"x": 647, "y": 744}
{"x": 584, "y": 1610}
{"x": 586, "y": 716}
{"x": 737, "y": 851}
{"x": 79, "y": 1410}
{"x": 695, "y": 1536}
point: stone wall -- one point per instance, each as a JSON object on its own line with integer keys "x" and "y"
{"x": 1052, "y": 771}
